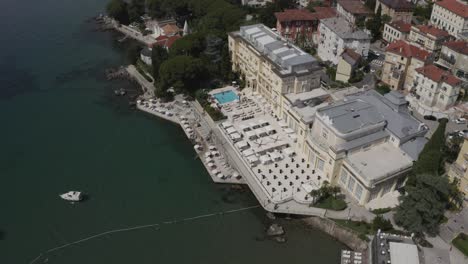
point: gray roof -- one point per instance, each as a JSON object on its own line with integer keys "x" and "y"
{"x": 285, "y": 55}
{"x": 399, "y": 121}
{"x": 362, "y": 141}
{"x": 344, "y": 29}
{"x": 414, "y": 147}
{"x": 350, "y": 116}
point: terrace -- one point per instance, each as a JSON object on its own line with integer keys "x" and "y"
{"x": 267, "y": 146}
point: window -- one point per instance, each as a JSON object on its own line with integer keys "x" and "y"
{"x": 324, "y": 133}
{"x": 351, "y": 183}
{"x": 320, "y": 164}
{"x": 344, "y": 177}
{"x": 358, "y": 191}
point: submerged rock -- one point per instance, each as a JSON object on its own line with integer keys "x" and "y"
{"x": 275, "y": 230}
{"x": 271, "y": 216}
{"x": 280, "y": 239}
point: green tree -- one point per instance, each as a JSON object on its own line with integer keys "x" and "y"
{"x": 181, "y": 72}
{"x": 423, "y": 12}
{"x": 422, "y": 209}
{"x": 117, "y": 9}
{"x": 155, "y": 8}
{"x": 375, "y": 24}
{"x": 383, "y": 89}
{"x": 428, "y": 194}
{"x": 191, "y": 45}
{"x": 158, "y": 56}
{"x": 136, "y": 9}
{"x": 381, "y": 223}
{"x": 370, "y": 4}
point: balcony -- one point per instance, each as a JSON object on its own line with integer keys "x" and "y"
{"x": 445, "y": 59}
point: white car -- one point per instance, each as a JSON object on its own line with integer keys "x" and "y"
{"x": 460, "y": 120}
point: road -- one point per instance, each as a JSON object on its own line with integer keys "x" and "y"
{"x": 451, "y": 126}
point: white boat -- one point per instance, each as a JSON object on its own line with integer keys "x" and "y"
{"x": 72, "y": 196}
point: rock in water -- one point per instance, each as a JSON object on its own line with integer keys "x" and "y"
{"x": 275, "y": 230}
{"x": 280, "y": 239}
{"x": 270, "y": 216}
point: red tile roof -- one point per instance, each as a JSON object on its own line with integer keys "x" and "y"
{"x": 458, "y": 46}
{"x": 431, "y": 30}
{"x": 399, "y": 5}
{"x": 438, "y": 75}
{"x": 355, "y": 7}
{"x": 400, "y": 25}
{"x": 454, "y": 6}
{"x": 165, "y": 41}
{"x": 323, "y": 12}
{"x": 406, "y": 50}
{"x": 294, "y": 15}
{"x": 303, "y": 14}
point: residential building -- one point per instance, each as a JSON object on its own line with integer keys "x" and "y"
{"x": 336, "y": 34}
{"x": 165, "y": 41}
{"x": 451, "y": 16}
{"x": 401, "y": 61}
{"x": 459, "y": 169}
{"x": 454, "y": 57}
{"x": 271, "y": 65}
{"x": 349, "y": 61}
{"x": 428, "y": 37}
{"x": 165, "y": 27}
{"x": 396, "y": 9}
{"x": 396, "y": 30}
{"x": 435, "y": 89}
{"x": 294, "y": 24}
{"x": 301, "y": 24}
{"x": 305, "y": 3}
{"x": 353, "y": 10}
{"x": 366, "y": 144}
{"x": 255, "y": 3}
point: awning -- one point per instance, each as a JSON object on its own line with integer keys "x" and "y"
{"x": 288, "y": 130}
{"x": 251, "y": 135}
{"x": 248, "y": 152}
{"x": 244, "y": 128}
{"x": 231, "y": 130}
{"x": 211, "y": 164}
{"x": 262, "y": 122}
{"x": 252, "y": 159}
{"x": 275, "y": 156}
{"x": 241, "y": 145}
{"x": 282, "y": 124}
{"x": 265, "y": 159}
{"x": 211, "y": 147}
{"x": 226, "y": 124}
{"x": 215, "y": 171}
{"x": 235, "y": 136}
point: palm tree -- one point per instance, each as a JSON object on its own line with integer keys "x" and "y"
{"x": 315, "y": 194}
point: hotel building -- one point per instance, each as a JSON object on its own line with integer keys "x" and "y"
{"x": 451, "y": 16}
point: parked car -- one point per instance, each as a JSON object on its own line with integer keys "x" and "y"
{"x": 430, "y": 117}
{"x": 460, "y": 120}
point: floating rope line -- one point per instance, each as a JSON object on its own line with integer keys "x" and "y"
{"x": 140, "y": 227}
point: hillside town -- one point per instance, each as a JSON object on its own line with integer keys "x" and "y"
{"x": 348, "y": 111}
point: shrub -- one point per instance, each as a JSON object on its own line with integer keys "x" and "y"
{"x": 381, "y": 223}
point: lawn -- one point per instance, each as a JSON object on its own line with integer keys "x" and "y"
{"x": 332, "y": 204}
{"x": 461, "y": 242}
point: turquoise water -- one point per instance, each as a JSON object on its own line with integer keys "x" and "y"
{"x": 63, "y": 129}
{"x": 226, "y": 97}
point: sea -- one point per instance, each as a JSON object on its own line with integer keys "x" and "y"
{"x": 62, "y": 128}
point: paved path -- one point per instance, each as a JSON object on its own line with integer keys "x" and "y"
{"x": 148, "y": 87}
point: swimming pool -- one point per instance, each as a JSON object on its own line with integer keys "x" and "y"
{"x": 226, "y": 97}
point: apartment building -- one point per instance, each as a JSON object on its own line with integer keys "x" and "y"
{"x": 428, "y": 37}
{"x": 401, "y": 61}
{"x": 366, "y": 144}
{"x": 396, "y": 30}
{"x": 435, "y": 89}
{"x": 451, "y": 16}
{"x": 271, "y": 65}
{"x": 398, "y": 10}
{"x": 353, "y": 10}
{"x": 336, "y": 34}
{"x": 348, "y": 63}
{"x": 454, "y": 57}
{"x": 300, "y": 25}
{"x": 458, "y": 170}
